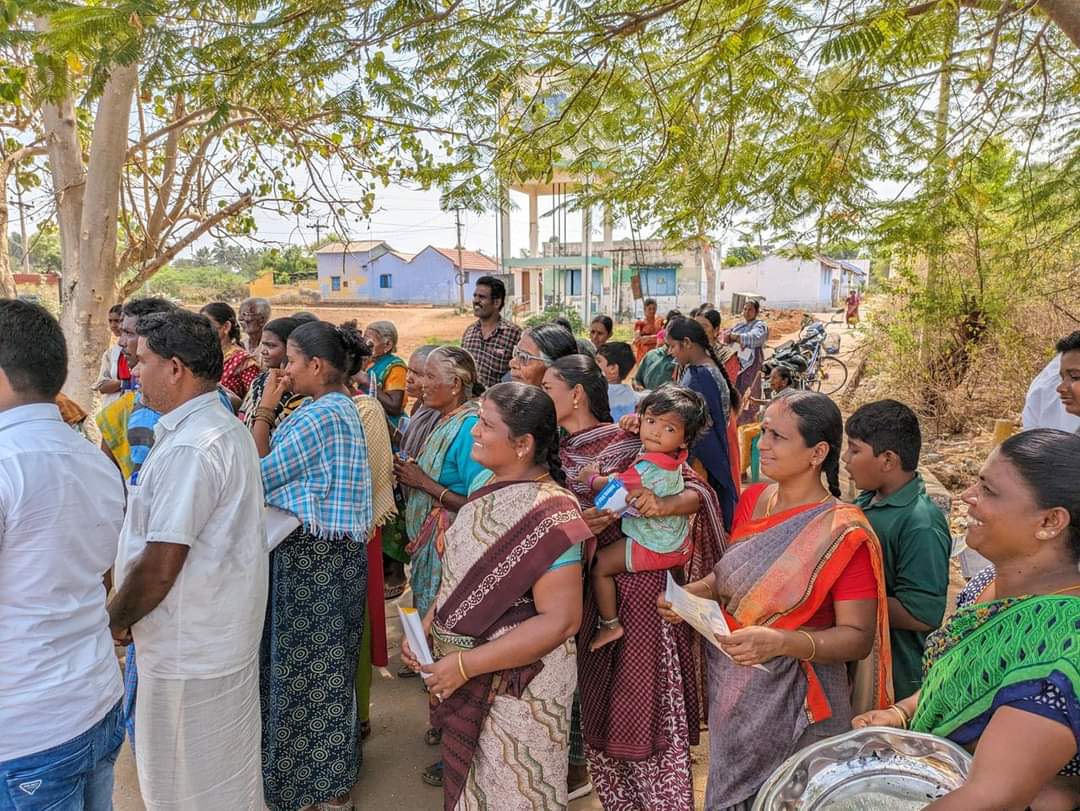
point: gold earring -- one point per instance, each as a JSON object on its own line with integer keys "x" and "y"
{"x": 1042, "y": 534}
{"x": 575, "y": 405}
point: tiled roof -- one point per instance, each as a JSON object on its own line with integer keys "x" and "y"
{"x": 351, "y": 247}
{"x": 470, "y": 260}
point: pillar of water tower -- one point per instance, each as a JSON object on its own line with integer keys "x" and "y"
{"x": 535, "y": 292}
{"x": 609, "y": 272}
{"x": 586, "y": 265}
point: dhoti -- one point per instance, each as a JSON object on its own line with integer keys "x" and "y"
{"x": 197, "y": 742}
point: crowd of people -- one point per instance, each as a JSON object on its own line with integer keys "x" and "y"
{"x": 265, "y": 485}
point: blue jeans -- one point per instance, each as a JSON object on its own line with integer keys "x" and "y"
{"x": 74, "y": 776}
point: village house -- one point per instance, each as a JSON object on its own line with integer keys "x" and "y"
{"x": 373, "y": 272}
{"x": 815, "y": 284}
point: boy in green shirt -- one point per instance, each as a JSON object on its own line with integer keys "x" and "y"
{"x": 882, "y": 458}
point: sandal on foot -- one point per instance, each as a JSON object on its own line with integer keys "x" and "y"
{"x": 432, "y": 775}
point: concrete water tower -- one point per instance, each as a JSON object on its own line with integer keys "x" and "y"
{"x": 582, "y": 280}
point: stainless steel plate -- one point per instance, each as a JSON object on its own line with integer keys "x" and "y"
{"x": 871, "y": 769}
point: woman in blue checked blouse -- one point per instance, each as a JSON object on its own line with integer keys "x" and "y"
{"x": 316, "y": 468}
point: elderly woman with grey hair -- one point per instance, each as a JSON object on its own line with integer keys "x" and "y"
{"x": 438, "y": 480}
{"x": 384, "y": 379}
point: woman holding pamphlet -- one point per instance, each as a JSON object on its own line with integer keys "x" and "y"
{"x": 641, "y": 696}
{"x": 803, "y": 590}
{"x": 508, "y": 606}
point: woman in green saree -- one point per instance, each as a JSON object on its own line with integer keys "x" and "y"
{"x": 1005, "y": 668}
{"x": 384, "y": 379}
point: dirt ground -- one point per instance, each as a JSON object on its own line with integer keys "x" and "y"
{"x": 395, "y": 754}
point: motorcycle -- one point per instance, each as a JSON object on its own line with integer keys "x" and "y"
{"x": 810, "y": 358}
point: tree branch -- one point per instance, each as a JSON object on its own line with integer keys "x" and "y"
{"x": 179, "y": 124}
{"x": 148, "y": 269}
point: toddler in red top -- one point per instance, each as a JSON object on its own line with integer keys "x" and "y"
{"x": 672, "y": 418}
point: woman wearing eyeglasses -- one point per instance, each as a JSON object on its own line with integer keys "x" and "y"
{"x": 538, "y": 348}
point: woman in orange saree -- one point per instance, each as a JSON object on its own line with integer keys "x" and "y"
{"x": 803, "y": 590}
{"x": 645, "y": 330}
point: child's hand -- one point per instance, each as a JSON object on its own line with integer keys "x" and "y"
{"x": 630, "y": 423}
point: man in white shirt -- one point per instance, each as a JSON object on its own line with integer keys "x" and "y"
{"x": 1044, "y": 406}
{"x": 61, "y": 507}
{"x": 193, "y": 573}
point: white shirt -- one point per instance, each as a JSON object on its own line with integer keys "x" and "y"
{"x": 109, "y": 370}
{"x": 201, "y": 487}
{"x": 1043, "y": 407}
{"x": 61, "y": 507}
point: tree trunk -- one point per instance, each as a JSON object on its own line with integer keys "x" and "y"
{"x": 709, "y": 269}
{"x": 938, "y": 181}
{"x": 7, "y": 279}
{"x": 87, "y": 204}
{"x": 1066, "y": 15}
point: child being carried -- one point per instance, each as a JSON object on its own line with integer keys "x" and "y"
{"x": 672, "y": 418}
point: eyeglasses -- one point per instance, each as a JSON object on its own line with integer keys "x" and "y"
{"x": 523, "y": 357}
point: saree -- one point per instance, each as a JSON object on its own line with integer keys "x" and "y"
{"x": 646, "y": 339}
{"x": 505, "y": 735}
{"x": 238, "y": 371}
{"x": 1015, "y": 651}
{"x": 717, "y": 449}
{"x": 642, "y": 698}
{"x": 426, "y": 521}
{"x": 381, "y": 370}
{"x": 778, "y": 573}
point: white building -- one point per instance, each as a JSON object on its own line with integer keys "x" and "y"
{"x": 815, "y": 284}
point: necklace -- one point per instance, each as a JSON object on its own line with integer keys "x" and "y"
{"x": 541, "y": 477}
{"x": 776, "y": 493}
{"x": 1067, "y": 588}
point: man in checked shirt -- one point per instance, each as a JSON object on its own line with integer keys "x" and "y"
{"x": 490, "y": 340}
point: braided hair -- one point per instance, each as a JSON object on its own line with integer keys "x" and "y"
{"x": 682, "y": 329}
{"x": 819, "y": 420}
{"x": 529, "y": 410}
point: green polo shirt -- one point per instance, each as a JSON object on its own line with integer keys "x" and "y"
{"x": 655, "y": 369}
{"x": 916, "y": 544}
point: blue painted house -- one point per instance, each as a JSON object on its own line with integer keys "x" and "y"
{"x": 373, "y": 272}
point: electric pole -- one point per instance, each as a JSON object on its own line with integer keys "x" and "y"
{"x": 460, "y": 266}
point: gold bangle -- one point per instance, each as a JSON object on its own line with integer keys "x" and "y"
{"x": 461, "y": 666}
{"x": 904, "y": 720}
{"x": 445, "y": 490}
{"x": 813, "y": 646}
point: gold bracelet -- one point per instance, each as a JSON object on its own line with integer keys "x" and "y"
{"x": 813, "y": 646}
{"x": 904, "y": 720}
{"x": 264, "y": 419}
{"x": 445, "y": 490}
{"x": 461, "y": 666}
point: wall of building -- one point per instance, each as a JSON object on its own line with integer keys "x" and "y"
{"x": 689, "y": 282}
{"x": 351, "y": 272}
{"x": 428, "y": 278}
{"x": 264, "y": 287}
{"x": 785, "y": 283}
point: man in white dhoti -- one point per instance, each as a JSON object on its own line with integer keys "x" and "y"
{"x": 192, "y": 575}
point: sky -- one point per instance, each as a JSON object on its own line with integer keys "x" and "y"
{"x": 410, "y": 220}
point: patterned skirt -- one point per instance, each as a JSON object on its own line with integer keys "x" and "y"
{"x": 310, "y": 648}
